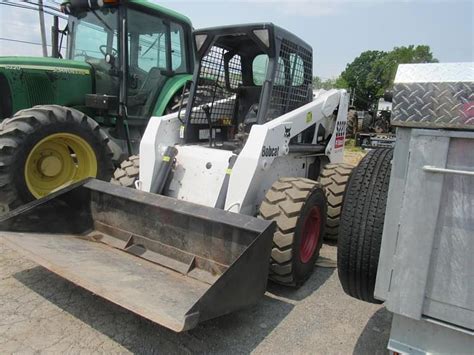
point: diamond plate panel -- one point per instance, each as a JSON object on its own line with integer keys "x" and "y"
{"x": 435, "y": 73}
{"x": 435, "y": 105}
{"x": 434, "y": 95}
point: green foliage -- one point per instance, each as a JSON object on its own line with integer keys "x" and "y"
{"x": 356, "y": 74}
{"x": 335, "y": 83}
{"x": 341, "y": 83}
{"x": 373, "y": 72}
{"x": 385, "y": 68}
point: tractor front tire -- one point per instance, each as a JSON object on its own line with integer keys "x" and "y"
{"x": 298, "y": 206}
{"x": 127, "y": 173}
{"x": 362, "y": 221}
{"x": 334, "y": 178}
{"x": 48, "y": 147}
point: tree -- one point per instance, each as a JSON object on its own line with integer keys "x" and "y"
{"x": 356, "y": 74}
{"x": 384, "y": 69}
{"x": 373, "y": 72}
{"x": 335, "y": 83}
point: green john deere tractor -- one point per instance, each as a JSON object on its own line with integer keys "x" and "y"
{"x": 64, "y": 120}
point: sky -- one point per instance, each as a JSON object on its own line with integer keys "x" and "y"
{"x": 338, "y": 30}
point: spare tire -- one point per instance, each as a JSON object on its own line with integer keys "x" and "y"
{"x": 367, "y": 123}
{"x": 361, "y": 224}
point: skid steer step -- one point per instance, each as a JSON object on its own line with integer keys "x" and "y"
{"x": 173, "y": 262}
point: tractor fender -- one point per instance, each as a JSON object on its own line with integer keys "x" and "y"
{"x": 172, "y": 86}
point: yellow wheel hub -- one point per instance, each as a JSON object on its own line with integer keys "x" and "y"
{"x": 57, "y": 161}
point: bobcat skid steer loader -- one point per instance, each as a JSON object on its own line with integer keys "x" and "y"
{"x": 224, "y": 187}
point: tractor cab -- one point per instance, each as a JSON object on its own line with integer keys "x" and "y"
{"x": 133, "y": 48}
{"x": 248, "y": 74}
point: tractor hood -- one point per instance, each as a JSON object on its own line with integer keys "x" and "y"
{"x": 30, "y": 81}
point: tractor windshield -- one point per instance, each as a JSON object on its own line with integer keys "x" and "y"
{"x": 93, "y": 34}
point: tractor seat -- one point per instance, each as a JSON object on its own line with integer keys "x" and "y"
{"x": 145, "y": 96}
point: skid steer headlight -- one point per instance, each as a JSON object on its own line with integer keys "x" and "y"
{"x": 199, "y": 39}
{"x": 263, "y": 36}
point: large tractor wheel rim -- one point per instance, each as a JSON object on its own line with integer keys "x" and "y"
{"x": 59, "y": 160}
{"x": 311, "y": 234}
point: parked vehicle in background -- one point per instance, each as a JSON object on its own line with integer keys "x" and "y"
{"x": 64, "y": 120}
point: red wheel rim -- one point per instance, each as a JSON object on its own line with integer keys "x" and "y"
{"x": 310, "y": 235}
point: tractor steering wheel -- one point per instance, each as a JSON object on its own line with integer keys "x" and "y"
{"x": 103, "y": 50}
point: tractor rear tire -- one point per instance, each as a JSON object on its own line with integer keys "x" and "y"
{"x": 367, "y": 123}
{"x": 334, "y": 178}
{"x": 127, "y": 173}
{"x": 298, "y": 206}
{"x": 48, "y": 147}
{"x": 362, "y": 221}
{"x": 351, "y": 123}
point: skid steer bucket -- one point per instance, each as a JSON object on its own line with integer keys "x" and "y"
{"x": 173, "y": 262}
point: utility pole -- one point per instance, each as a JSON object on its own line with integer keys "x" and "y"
{"x": 42, "y": 28}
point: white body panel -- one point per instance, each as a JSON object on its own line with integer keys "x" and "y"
{"x": 293, "y": 165}
{"x": 270, "y": 140}
{"x": 199, "y": 174}
{"x": 160, "y": 133}
{"x": 264, "y": 158}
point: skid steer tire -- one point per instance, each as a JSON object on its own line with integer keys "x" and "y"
{"x": 48, "y": 147}
{"x": 298, "y": 206}
{"x": 334, "y": 178}
{"x": 127, "y": 173}
{"x": 361, "y": 227}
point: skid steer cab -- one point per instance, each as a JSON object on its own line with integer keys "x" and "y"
{"x": 239, "y": 176}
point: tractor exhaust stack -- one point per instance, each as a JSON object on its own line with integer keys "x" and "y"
{"x": 173, "y": 262}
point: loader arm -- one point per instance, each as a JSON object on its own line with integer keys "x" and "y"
{"x": 271, "y": 140}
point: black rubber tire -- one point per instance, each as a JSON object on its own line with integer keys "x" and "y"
{"x": 367, "y": 123}
{"x": 288, "y": 202}
{"x": 361, "y": 227}
{"x": 127, "y": 173}
{"x": 334, "y": 178}
{"x": 19, "y": 134}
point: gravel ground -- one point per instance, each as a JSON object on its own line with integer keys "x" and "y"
{"x": 41, "y": 312}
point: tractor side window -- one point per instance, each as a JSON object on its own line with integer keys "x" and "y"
{"x": 178, "y": 49}
{"x": 151, "y": 51}
{"x": 259, "y": 69}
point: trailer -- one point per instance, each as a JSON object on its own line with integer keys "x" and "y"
{"x": 407, "y": 236}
